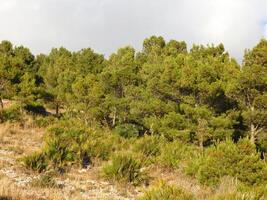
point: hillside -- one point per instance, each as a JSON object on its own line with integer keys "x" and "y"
{"x": 164, "y": 123}
{"x": 19, "y": 183}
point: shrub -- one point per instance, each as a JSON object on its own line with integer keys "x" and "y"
{"x": 228, "y": 159}
{"x": 44, "y": 122}
{"x": 63, "y": 146}
{"x": 125, "y": 168}
{"x": 262, "y": 142}
{"x": 148, "y": 145}
{"x": 58, "y": 151}
{"x": 163, "y": 191}
{"x": 103, "y": 145}
{"x": 99, "y": 148}
{"x": 193, "y": 165}
{"x": 127, "y": 130}
{"x": 66, "y": 145}
{"x": 11, "y": 114}
{"x": 173, "y": 153}
{"x": 36, "y": 161}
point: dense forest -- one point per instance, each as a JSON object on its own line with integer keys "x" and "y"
{"x": 197, "y": 111}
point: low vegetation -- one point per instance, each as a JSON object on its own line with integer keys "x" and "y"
{"x": 125, "y": 168}
{"x": 45, "y": 181}
{"x": 163, "y": 191}
{"x": 239, "y": 160}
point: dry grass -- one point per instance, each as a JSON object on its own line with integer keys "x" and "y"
{"x": 9, "y": 191}
{"x": 177, "y": 178}
{"x": 21, "y": 139}
{"x": 18, "y": 141}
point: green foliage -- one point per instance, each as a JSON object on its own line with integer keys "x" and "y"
{"x": 148, "y": 145}
{"x": 153, "y": 44}
{"x": 159, "y": 103}
{"x": 58, "y": 152}
{"x": 11, "y": 114}
{"x": 127, "y": 130}
{"x": 45, "y": 121}
{"x": 125, "y": 168}
{"x": 249, "y": 89}
{"x": 65, "y": 144}
{"x": 87, "y": 98}
{"x": 173, "y": 127}
{"x": 174, "y": 154}
{"x": 29, "y": 90}
{"x": 262, "y": 142}
{"x": 227, "y": 159}
{"x": 163, "y": 191}
{"x": 15, "y": 62}
{"x": 102, "y": 146}
{"x": 87, "y": 61}
{"x": 36, "y": 161}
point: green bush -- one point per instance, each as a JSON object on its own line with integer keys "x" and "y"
{"x": 58, "y": 151}
{"x": 44, "y": 122}
{"x": 127, "y": 130}
{"x": 66, "y": 145}
{"x": 193, "y": 165}
{"x": 100, "y": 149}
{"x": 36, "y": 161}
{"x": 228, "y": 159}
{"x": 173, "y": 153}
{"x": 125, "y": 168}
{"x": 101, "y": 146}
{"x": 163, "y": 191}
{"x": 11, "y": 114}
{"x": 148, "y": 145}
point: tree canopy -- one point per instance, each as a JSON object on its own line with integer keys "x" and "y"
{"x": 198, "y": 95}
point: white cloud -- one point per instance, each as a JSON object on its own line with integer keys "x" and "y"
{"x": 7, "y": 5}
{"x": 265, "y": 30}
{"x": 106, "y": 25}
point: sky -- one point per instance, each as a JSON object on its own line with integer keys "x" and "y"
{"x": 106, "y": 25}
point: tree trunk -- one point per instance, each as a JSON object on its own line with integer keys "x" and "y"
{"x": 201, "y": 143}
{"x": 252, "y": 128}
{"x": 1, "y": 103}
{"x": 201, "y": 132}
{"x": 57, "y": 109}
{"x": 151, "y": 129}
{"x": 114, "y": 118}
{"x": 252, "y": 133}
